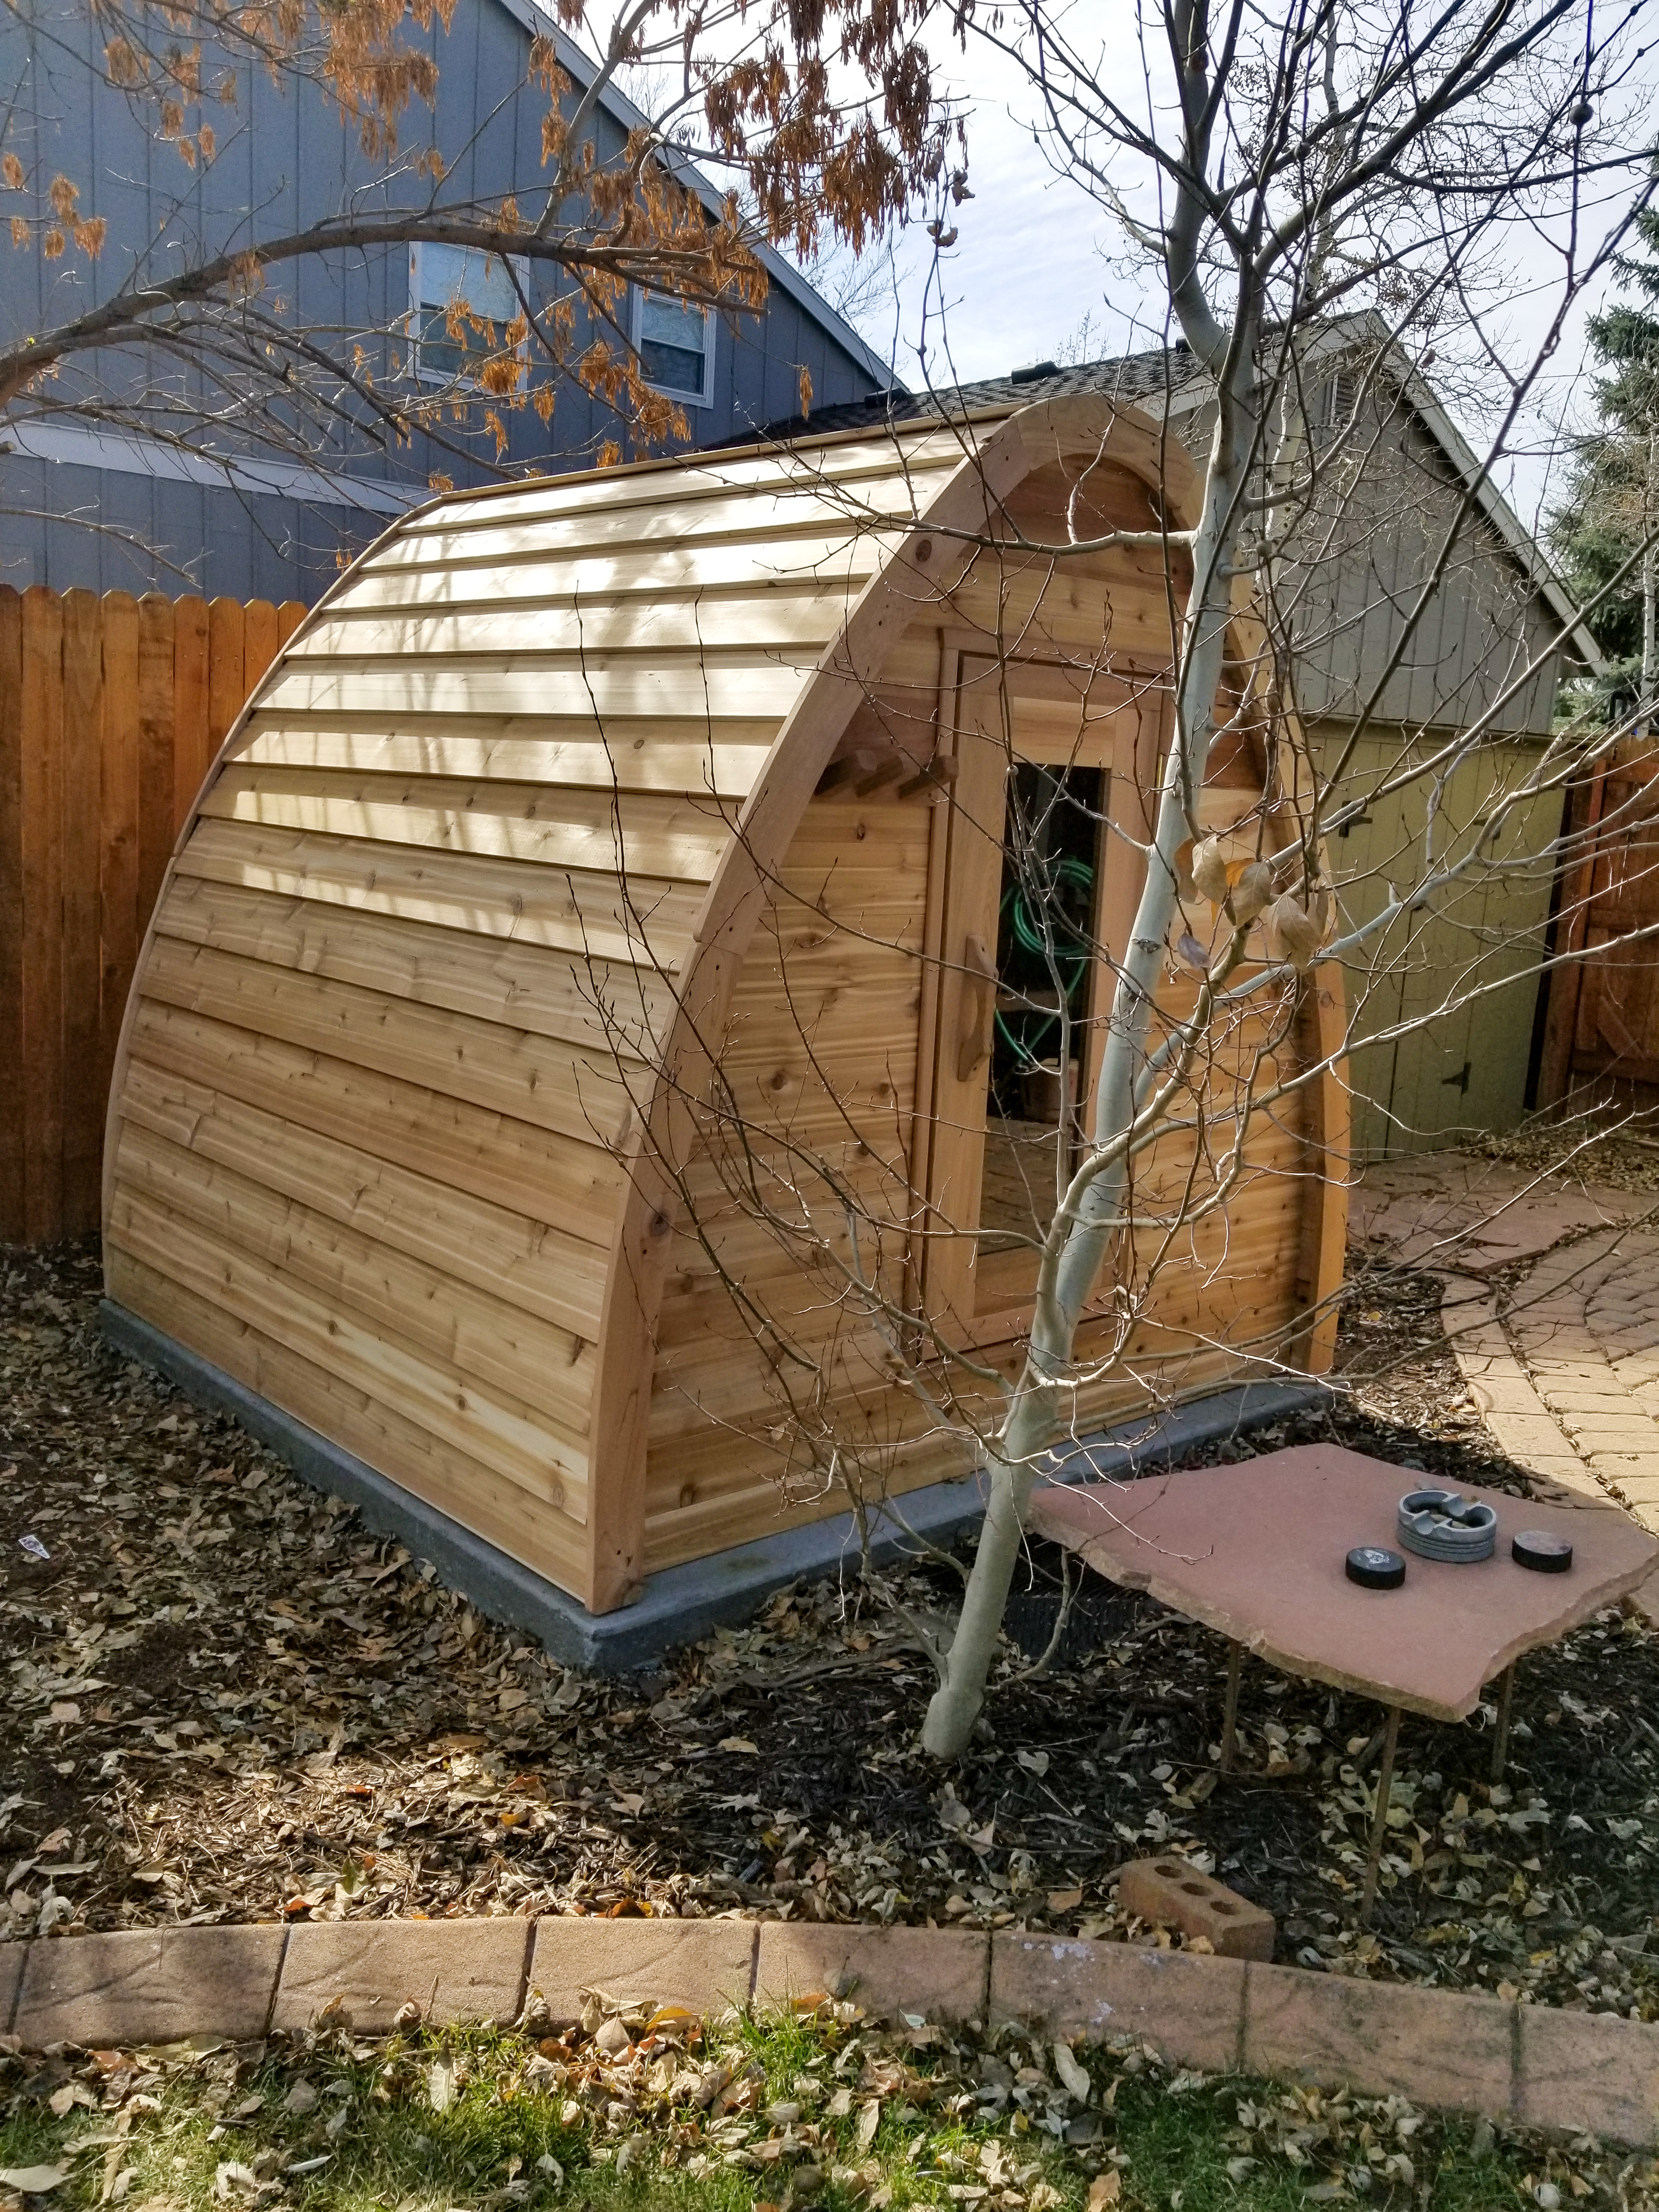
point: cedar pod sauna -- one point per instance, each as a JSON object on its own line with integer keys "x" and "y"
{"x": 573, "y": 794}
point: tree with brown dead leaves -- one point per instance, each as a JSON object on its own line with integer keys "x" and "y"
{"x": 183, "y": 292}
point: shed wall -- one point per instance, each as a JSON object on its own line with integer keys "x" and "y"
{"x": 420, "y": 944}
{"x": 1475, "y": 952}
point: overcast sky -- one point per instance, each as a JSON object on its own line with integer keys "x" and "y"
{"x": 1035, "y": 255}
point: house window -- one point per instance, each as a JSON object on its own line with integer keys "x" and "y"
{"x": 675, "y": 341}
{"x": 438, "y": 278}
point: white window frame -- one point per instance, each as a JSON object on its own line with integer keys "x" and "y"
{"x": 521, "y": 268}
{"x": 710, "y": 324}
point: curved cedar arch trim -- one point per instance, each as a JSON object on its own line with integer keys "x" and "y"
{"x": 1018, "y": 445}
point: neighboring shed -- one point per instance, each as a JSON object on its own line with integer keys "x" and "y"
{"x": 566, "y": 789}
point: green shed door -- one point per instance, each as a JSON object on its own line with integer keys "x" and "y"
{"x": 1475, "y": 954}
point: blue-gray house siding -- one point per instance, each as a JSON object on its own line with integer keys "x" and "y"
{"x": 87, "y": 503}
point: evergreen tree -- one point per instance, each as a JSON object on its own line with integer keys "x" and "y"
{"x": 1614, "y": 501}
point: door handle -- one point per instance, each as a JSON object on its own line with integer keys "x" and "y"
{"x": 978, "y": 981}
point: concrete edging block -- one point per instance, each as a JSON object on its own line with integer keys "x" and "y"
{"x": 1189, "y": 2007}
{"x": 706, "y": 1966}
{"x": 1592, "y": 2073}
{"x": 1573, "y": 2072}
{"x": 12, "y": 1956}
{"x": 453, "y": 1970}
{"x": 149, "y": 1985}
{"x": 941, "y": 1974}
{"x": 1386, "y": 2038}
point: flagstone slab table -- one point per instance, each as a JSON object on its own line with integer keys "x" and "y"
{"x": 1257, "y": 1550}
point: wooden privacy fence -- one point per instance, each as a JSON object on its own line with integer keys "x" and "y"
{"x": 111, "y": 711}
{"x": 1601, "y": 1020}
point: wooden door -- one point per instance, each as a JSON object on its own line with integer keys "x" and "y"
{"x": 1055, "y": 769}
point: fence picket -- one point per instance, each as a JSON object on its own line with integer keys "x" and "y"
{"x": 117, "y": 886}
{"x": 189, "y": 707}
{"x": 80, "y": 795}
{"x": 42, "y": 780}
{"x": 11, "y": 912}
{"x": 260, "y": 640}
{"x": 157, "y": 723}
{"x": 227, "y": 671}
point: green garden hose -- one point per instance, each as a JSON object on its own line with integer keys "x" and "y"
{"x": 1030, "y": 935}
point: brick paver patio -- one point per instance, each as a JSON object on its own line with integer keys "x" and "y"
{"x": 1567, "y": 1379}
{"x": 1565, "y": 1365}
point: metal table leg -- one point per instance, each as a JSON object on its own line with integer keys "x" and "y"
{"x": 1229, "y": 1714}
{"x": 1500, "y": 1741}
{"x": 1380, "y": 1817}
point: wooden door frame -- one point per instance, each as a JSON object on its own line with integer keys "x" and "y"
{"x": 945, "y": 1271}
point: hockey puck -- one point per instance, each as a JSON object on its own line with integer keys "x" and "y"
{"x": 1544, "y": 1553}
{"x": 1373, "y": 1568}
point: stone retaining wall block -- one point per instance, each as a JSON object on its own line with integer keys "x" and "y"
{"x": 938, "y": 1973}
{"x": 1188, "y": 2007}
{"x": 1587, "y": 2072}
{"x": 706, "y": 1966}
{"x": 149, "y": 1985}
{"x": 1386, "y": 2038}
{"x": 454, "y": 1970}
{"x": 12, "y": 1956}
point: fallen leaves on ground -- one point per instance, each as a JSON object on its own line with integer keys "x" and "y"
{"x": 227, "y": 1700}
{"x": 708, "y": 2117}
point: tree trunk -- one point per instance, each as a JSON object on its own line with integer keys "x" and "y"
{"x": 1084, "y": 1226}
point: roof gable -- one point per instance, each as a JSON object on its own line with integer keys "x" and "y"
{"x": 579, "y": 66}
{"x": 1167, "y": 377}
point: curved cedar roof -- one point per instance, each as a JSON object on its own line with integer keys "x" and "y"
{"x": 478, "y": 862}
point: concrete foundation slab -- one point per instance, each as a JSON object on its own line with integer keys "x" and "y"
{"x": 680, "y": 1603}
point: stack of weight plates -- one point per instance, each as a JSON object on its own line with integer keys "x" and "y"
{"x": 1438, "y": 1524}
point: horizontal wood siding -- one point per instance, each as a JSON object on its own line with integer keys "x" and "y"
{"x": 819, "y": 1057}
{"x": 408, "y": 978}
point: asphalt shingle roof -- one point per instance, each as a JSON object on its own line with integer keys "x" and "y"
{"x": 1128, "y": 377}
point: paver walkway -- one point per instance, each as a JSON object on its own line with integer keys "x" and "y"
{"x": 1583, "y": 1324}
{"x": 1565, "y": 1363}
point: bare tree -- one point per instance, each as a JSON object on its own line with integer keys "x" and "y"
{"x": 1321, "y": 198}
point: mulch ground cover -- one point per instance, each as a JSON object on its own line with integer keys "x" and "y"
{"x": 226, "y": 1701}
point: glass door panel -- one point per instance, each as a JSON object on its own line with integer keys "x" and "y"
{"x": 1048, "y": 953}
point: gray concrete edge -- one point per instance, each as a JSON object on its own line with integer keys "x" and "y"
{"x": 679, "y": 1604}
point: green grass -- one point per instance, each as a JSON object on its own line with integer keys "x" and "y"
{"x": 484, "y": 2122}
